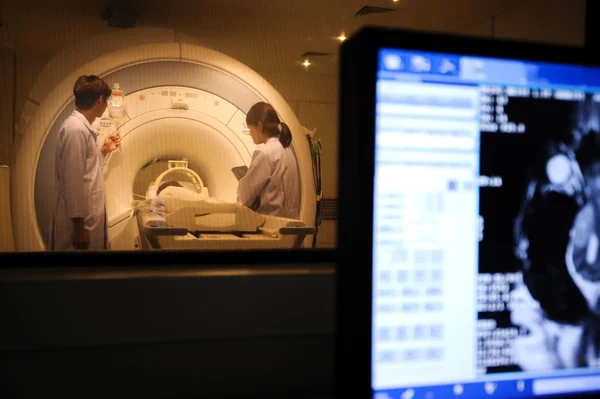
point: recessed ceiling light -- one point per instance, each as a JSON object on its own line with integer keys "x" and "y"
{"x": 306, "y": 63}
{"x": 342, "y": 37}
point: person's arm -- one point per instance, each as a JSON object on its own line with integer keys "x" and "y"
{"x": 72, "y": 163}
{"x": 259, "y": 173}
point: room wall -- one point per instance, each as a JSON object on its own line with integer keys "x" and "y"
{"x": 551, "y": 21}
{"x": 314, "y": 98}
{"x": 29, "y": 66}
{"x": 6, "y": 108}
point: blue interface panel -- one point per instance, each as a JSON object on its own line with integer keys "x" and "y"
{"x": 483, "y": 164}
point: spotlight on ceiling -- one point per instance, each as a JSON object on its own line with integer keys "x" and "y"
{"x": 342, "y": 37}
{"x": 306, "y": 63}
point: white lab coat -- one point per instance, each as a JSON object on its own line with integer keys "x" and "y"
{"x": 274, "y": 179}
{"x": 80, "y": 184}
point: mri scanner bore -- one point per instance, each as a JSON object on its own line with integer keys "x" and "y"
{"x": 181, "y": 118}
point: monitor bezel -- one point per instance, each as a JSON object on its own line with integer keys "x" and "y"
{"x": 356, "y": 142}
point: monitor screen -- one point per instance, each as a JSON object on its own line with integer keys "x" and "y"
{"x": 486, "y": 253}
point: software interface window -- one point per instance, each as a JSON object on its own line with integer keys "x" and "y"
{"x": 482, "y": 165}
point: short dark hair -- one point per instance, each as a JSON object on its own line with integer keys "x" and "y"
{"x": 87, "y": 90}
{"x": 167, "y": 184}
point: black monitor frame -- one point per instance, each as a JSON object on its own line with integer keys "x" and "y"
{"x": 358, "y": 75}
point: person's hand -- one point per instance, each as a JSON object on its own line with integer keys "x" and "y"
{"x": 80, "y": 237}
{"x": 111, "y": 143}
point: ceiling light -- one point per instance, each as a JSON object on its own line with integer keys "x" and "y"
{"x": 342, "y": 37}
{"x": 306, "y": 63}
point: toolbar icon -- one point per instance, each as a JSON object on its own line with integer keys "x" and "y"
{"x": 420, "y": 64}
{"x": 490, "y": 388}
{"x": 458, "y": 389}
{"x": 447, "y": 66}
{"x": 408, "y": 394}
{"x": 393, "y": 62}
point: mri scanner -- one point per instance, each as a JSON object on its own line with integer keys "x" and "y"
{"x": 187, "y": 217}
{"x": 186, "y": 104}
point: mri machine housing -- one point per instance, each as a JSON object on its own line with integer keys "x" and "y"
{"x": 183, "y": 101}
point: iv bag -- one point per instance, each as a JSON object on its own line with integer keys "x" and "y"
{"x": 116, "y": 102}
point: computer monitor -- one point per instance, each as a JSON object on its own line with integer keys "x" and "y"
{"x": 469, "y": 224}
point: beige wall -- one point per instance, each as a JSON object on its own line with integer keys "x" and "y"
{"x": 29, "y": 66}
{"x": 315, "y": 98}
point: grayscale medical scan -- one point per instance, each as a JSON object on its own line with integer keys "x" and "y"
{"x": 556, "y": 237}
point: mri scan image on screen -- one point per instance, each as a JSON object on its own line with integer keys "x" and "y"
{"x": 556, "y": 239}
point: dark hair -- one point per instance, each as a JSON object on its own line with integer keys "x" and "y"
{"x": 166, "y": 184}
{"x": 272, "y": 126}
{"x": 87, "y": 89}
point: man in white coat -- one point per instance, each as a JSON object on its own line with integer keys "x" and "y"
{"x": 79, "y": 220}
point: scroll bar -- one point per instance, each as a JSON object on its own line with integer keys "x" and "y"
{"x": 566, "y": 385}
